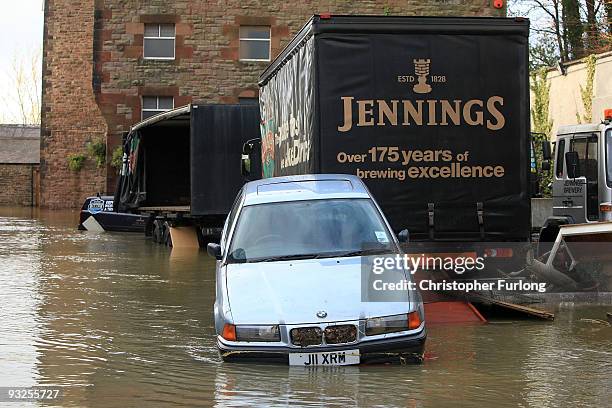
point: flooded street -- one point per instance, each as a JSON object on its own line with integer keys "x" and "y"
{"x": 119, "y": 321}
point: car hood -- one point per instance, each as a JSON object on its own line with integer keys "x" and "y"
{"x": 293, "y": 292}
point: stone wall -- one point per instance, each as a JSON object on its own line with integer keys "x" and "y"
{"x": 565, "y": 99}
{"x": 17, "y": 184}
{"x": 206, "y": 67}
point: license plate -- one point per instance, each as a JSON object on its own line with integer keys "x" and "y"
{"x": 333, "y": 358}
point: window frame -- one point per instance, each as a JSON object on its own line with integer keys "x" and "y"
{"x": 269, "y": 40}
{"x": 560, "y": 167}
{"x": 588, "y": 140}
{"x": 157, "y": 110}
{"x": 145, "y": 38}
{"x": 230, "y": 220}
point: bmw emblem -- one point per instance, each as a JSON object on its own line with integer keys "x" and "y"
{"x": 321, "y": 314}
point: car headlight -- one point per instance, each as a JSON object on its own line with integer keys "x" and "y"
{"x": 257, "y": 333}
{"x": 392, "y": 324}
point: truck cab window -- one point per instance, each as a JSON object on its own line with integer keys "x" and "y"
{"x": 560, "y": 155}
{"x": 586, "y": 147}
{"x": 587, "y": 156}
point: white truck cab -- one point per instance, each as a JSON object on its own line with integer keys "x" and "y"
{"x": 582, "y": 176}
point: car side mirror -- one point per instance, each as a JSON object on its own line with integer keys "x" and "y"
{"x": 546, "y": 165}
{"x": 214, "y": 250}
{"x": 403, "y": 236}
{"x": 546, "y": 152}
{"x": 571, "y": 162}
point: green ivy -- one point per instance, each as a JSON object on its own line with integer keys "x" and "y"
{"x": 542, "y": 124}
{"x": 97, "y": 151}
{"x": 545, "y": 175}
{"x": 539, "y": 111}
{"x": 76, "y": 161}
{"x": 586, "y": 93}
{"x": 117, "y": 158}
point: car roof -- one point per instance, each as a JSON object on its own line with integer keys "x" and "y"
{"x": 304, "y": 187}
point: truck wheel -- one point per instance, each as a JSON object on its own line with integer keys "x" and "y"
{"x": 148, "y": 231}
{"x": 157, "y": 231}
{"x": 166, "y": 237}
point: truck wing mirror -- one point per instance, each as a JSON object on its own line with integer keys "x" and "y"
{"x": 403, "y": 236}
{"x": 245, "y": 160}
{"x": 245, "y": 166}
{"x": 572, "y": 164}
{"x": 546, "y": 165}
{"x": 546, "y": 152}
{"x": 250, "y": 160}
{"x": 247, "y": 147}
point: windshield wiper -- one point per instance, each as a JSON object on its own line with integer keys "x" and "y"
{"x": 364, "y": 252}
{"x": 284, "y": 258}
{"x": 360, "y": 252}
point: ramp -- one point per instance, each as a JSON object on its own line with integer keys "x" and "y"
{"x": 513, "y": 307}
{"x": 452, "y": 312}
{"x": 184, "y": 237}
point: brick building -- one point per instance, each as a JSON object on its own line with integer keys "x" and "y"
{"x": 109, "y": 63}
{"x": 19, "y": 158}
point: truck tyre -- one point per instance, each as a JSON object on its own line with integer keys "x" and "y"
{"x": 149, "y": 226}
{"x": 166, "y": 237}
{"x": 158, "y": 229}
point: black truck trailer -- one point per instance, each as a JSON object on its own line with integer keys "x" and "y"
{"x": 432, "y": 113}
{"x": 181, "y": 170}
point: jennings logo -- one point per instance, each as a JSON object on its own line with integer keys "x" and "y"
{"x": 421, "y": 69}
{"x": 421, "y": 77}
{"x": 450, "y": 111}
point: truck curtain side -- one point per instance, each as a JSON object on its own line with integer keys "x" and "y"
{"x": 182, "y": 165}
{"x": 432, "y": 113}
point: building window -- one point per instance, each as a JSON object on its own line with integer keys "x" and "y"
{"x": 254, "y": 43}
{"x": 152, "y": 105}
{"x": 159, "y": 41}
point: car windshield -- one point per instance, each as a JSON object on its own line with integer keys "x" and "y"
{"x": 309, "y": 229}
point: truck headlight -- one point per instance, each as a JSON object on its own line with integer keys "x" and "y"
{"x": 392, "y": 324}
{"x": 257, "y": 333}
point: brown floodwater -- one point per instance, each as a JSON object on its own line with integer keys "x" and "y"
{"x": 118, "y": 321}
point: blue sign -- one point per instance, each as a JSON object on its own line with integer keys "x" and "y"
{"x": 95, "y": 205}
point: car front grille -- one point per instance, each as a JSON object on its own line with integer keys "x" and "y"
{"x": 346, "y": 333}
{"x": 306, "y": 336}
{"x": 313, "y": 336}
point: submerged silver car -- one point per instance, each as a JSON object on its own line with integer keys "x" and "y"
{"x": 291, "y": 269}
